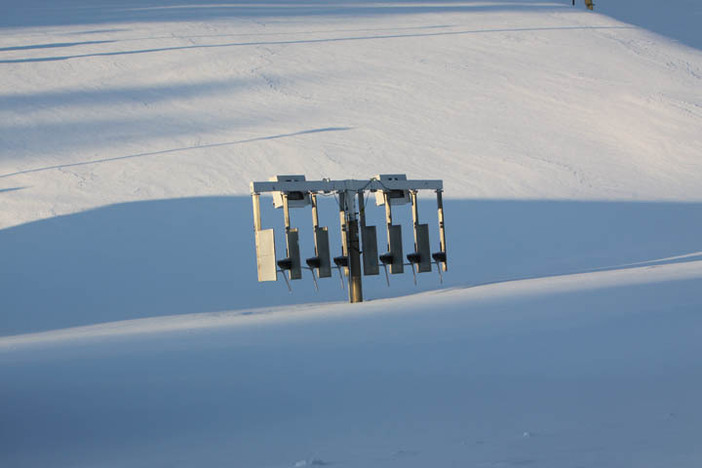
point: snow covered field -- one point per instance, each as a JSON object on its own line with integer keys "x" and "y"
{"x": 600, "y": 370}
{"x": 567, "y": 331}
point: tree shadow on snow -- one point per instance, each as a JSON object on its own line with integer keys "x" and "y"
{"x": 178, "y": 256}
{"x": 305, "y": 41}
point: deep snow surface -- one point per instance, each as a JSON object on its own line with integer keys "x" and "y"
{"x": 596, "y": 370}
{"x": 126, "y": 124}
{"x": 566, "y": 333}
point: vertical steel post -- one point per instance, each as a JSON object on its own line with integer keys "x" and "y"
{"x": 256, "y": 199}
{"x": 315, "y": 223}
{"x": 342, "y": 221}
{"x": 315, "y": 220}
{"x": 286, "y": 215}
{"x": 361, "y": 209}
{"x": 415, "y": 216}
{"x": 388, "y": 216}
{"x": 286, "y": 212}
{"x": 315, "y": 216}
{"x": 442, "y": 230}
{"x": 354, "y": 250}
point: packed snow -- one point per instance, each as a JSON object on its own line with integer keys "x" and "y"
{"x": 565, "y": 333}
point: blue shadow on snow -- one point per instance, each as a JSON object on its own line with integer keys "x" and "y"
{"x": 179, "y": 256}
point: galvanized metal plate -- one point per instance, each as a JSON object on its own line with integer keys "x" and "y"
{"x": 294, "y": 254}
{"x": 369, "y": 239}
{"x": 265, "y": 255}
{"x": 322, "y": 245}
{"x": 395, "y": 240}
{"x": 423, "y": 248}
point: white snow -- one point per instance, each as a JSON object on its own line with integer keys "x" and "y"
{"x": 566, "y": 333}
{"x": 598, "y": 369}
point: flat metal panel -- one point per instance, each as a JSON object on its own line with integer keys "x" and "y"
{"x": 369, "y": 239}
{"x": 395, "y": 237}
{"x": 294, "y": 254}
{"x": 322, "y": 244}
{"x": 423, "y": 248}
{"x": 265, "y": 255}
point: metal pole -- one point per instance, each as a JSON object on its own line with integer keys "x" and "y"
{"x": 361, "y": 209}
{"x": 342, "y": 221}
{"x": 256, "y": 198}
{"x": 315, "y": 224}
{"x": 315, "y": 216}
{"x": 442, "y": 230}
{"x": 286, "y": 212}
{"x": 388, "y": 216}
{"x": 354, "y": 250}
{"x": 415, "y": 216}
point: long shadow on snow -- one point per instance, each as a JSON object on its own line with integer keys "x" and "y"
{"x": 304, "y": 41}
{"x": 52, "y": 46}
{"x": 192, "y": 255}
{"x": 120, "y": 95}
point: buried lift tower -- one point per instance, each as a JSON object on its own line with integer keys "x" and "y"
{"x": 359, "y": 249}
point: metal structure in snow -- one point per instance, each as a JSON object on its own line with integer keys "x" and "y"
{"x": 359, "y": 242}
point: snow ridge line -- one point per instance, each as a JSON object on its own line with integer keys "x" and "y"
{"x": 476, "y": 294}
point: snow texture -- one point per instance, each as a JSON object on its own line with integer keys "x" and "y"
{"x": 566, "y": 332}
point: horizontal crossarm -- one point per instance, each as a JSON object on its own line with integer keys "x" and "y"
{"x": 353, "y": 185}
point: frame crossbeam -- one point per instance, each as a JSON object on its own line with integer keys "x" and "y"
{"x": 353, "y": 185}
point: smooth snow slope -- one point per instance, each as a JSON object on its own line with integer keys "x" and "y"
{"x": 503, "y": 100}
{"x": 128, "y": 126}
{"x": 569, "y": 143}
{"x": 596, "y": 370}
